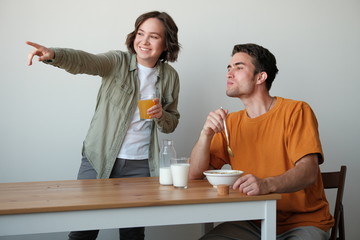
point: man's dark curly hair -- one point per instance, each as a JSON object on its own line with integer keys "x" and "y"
{"x": 262, "y": 58}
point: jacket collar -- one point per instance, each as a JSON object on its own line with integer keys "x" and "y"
{"x": 133, "y": 65}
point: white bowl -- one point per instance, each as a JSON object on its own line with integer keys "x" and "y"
{"x": 219, "y": 177}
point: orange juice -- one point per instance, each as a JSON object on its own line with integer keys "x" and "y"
{"x": 144, "y": 105}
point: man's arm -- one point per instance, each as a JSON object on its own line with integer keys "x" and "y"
{"x": 200, "y": 155}
{"x": 302, "y": 175}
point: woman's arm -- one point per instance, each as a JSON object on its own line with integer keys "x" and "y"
{"x": 74, "y": 61}
{"x": 42, "y": 52}
{"x": 168, "y": 115}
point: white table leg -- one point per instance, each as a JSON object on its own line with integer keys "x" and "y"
{"x": 268, "y": 224}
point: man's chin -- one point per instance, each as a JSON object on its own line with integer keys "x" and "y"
{"x": 229, "y": 94}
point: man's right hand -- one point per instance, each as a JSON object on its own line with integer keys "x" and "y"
{"x": 200, "y": 155}
{"x": 42, "y": 52}
{"x": 214, "y": 122}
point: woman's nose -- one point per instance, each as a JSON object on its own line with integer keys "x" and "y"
{"x": 145, "y": 40}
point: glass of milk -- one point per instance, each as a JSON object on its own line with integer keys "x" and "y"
{"x": 180, "y": 172}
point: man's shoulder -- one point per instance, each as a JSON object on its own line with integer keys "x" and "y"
{"x": 291, "y": 103}
{"x": 293, "y": 109}
{"x": 235, "y": 116}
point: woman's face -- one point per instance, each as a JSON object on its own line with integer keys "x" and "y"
{"x": 149, "y": 42}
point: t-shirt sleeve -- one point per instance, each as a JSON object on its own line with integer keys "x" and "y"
{"x": 303, "y": 135}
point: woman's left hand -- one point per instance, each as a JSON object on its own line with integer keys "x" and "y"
{"x": 155, "y": 111}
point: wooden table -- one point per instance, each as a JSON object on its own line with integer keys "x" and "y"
{"x": 58, "y": 206}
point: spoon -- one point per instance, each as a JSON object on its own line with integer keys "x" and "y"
{"x": 231, "y": 154}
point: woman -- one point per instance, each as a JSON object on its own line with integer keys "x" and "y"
{"x": 118, "y": 143}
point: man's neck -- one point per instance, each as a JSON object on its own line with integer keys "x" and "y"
{"x": 258, "y": 106}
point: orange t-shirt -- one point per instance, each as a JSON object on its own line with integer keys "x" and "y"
{"x": 268, "y": 146}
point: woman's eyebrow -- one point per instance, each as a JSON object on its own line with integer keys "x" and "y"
{"x": 150, "y": 32}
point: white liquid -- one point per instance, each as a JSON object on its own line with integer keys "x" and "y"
{"x": 180, "y": 174}
{"x": 165, "y": 176}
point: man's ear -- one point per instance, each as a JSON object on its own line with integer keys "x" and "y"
{"x": 261, "y": 77}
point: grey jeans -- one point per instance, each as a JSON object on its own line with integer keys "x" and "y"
{"x": 123, "y": 168}
{"x": 246, "y": 230}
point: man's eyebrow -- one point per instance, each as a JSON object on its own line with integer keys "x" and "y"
{"x": 236, "y": 64}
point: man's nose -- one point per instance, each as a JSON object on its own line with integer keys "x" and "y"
{"x": 229, "y": 74}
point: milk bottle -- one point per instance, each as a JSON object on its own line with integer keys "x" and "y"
{"x": 166, "y": 154}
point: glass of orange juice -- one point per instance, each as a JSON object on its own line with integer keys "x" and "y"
{"x": 144, "y": 103}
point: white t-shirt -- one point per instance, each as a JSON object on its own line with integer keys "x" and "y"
{"x": 137, "y": 139}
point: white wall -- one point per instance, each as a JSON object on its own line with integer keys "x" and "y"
{"x": 45, "y": 112}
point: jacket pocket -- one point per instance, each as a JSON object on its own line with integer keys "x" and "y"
{"x": 119, "y": 92}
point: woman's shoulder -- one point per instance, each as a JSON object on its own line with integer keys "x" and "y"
{"x": 166, "y": 69}
{"x": 119, "y": 54}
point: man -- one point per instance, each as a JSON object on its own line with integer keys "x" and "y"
{"x": 275, "y": 141}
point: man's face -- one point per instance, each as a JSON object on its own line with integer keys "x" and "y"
{"x": 241, "y": 80}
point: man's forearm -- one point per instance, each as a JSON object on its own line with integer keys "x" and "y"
{"x": 200, "y": 157}
{"x": 302, "y": 175}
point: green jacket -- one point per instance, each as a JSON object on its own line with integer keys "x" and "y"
{"x": 117, "y": 102}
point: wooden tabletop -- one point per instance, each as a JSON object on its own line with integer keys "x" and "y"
{"x": 72, "y": 195}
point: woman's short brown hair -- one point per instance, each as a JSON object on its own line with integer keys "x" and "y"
{"x": 172, "y": 45}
